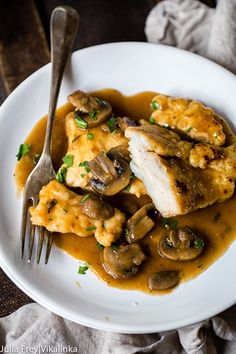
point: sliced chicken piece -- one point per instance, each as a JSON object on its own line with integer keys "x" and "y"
{"x": 192, "y": 118}
{"x": 174, "y": 185}
{"x": 61, "y": 210}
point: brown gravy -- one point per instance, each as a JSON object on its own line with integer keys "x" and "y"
{"x": 217, "y": 222}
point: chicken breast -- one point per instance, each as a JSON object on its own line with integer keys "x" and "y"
{"x": 61, "y": 210}
{"x": 192, "y": 118}
{"x": 86, "y": 144}
{"x": 174, "y": 178}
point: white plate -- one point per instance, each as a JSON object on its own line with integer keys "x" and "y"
{"x": 130, "y": 68}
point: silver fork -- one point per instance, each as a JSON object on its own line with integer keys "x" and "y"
{"x": 63, "y": 28}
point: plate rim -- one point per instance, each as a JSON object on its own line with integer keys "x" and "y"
{"x": 87, "y": 321}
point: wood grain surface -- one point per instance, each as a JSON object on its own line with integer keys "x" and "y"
{"x": 24, "y": 38}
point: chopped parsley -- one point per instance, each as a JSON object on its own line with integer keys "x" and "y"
{"x": 187, "y": 130}
{"x": 90, "y": 136}
{"x": 169, "y": 223}
{"x": 85, "y": 165}
{"x": 82, "y": 175}
{"x": 111, "y": 124}
{"x": 133, "y": 176}
{"x": 82, "y": 124}
{"x": 68, "y": 160}
{"x": 91, "y": 228}
{"x": 199, "y": 243}
{"x": 93, "y": 114}
{"x": 152, "y": 120}
{"x": 23, "y": 150}
{"x": 127, "y": 189}
{"x": 83, "y": 269}
{"x": 154, "y": 105}
{"x": 84, "y": 198}
{"x": 61, "y": 174}
{"x": 99, "y": 246}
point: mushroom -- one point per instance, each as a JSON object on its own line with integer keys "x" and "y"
{"x": 119, "y": 151}
{"x": 140, "y": 223}
{"x": 182, "y": 244}
{"x": 125, "y": 122}
{"x": 96, "y": 208}
{"x": 122, "y": 261}
{"x": 111, "y": 173}
{"x": 90, "y": 111}
{"x": 163, "y": 280}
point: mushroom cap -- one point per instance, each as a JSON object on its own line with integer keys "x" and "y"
{"x": 182, "y": 244}
{"x": 139, "y": 224}
{"x": 122, "y": 262}
{"x": 163, "y": 280}
{"x": 91, "y": 109}
{"x": 111, "y": 172}
{"x": 96, "y": 208}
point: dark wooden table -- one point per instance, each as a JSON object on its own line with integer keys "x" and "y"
{"x": 24, "y": 47}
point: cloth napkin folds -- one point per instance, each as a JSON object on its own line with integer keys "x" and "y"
{"x": 190, "y": 25}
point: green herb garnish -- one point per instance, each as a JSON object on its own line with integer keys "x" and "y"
{"x": 90, "y": 136}
{"x": 91, "y": 228}
{"x": 84, "y": 198}
{"x": 133, "y": 176}
{"x": 111, "y": 124}
{"x": 127, "y": 189}
{"x": 154, "y": 105}
{"x": 169, "y": 223}
{"x": 93, "y": 114}
{"x": 65, "y": 210}
{"x": 199, "y": 243}
{"x": 23, "y": 150}
{"x": 61, "y": 174}
{"x": 99, "y": 246}
{"x": 187, "y": 130}
{"x": 68, "y": 160}
{"x": 152, "y": 120}
{"x": 85, "y": 165}
{"x": 82, "y": 124}
{"x": 83, "y": 269}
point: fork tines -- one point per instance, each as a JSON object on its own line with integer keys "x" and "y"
{"x": 28, "y": 229}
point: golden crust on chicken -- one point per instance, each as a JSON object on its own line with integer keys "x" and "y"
{"x": 180, "y": 177}
{"x": 61, "y": 210}
{"x": 191, "y": 118}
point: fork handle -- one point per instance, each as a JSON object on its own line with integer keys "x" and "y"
{"x": 63, "y": 28}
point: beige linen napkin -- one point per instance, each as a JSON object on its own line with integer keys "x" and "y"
{"x": 37, "y": 330}
{"x": 193, "y": 26}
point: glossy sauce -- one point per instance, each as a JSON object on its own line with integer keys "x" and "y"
{"x": 217, "y": 223}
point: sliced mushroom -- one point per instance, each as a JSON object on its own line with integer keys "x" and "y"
{"x": 140, "y": 223}
{"x": 119, "y": 151}
{"x": 103, "y": 168}
{"x": 163, "y": 280}
{"x": 110, "y": 175}
{"x": 96, "y": 208}
{"x": 90, "y": 109}
{"x": 182, "y": 244}
{"x": 125, "y": 122}
{"x": 123, "y": 262}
